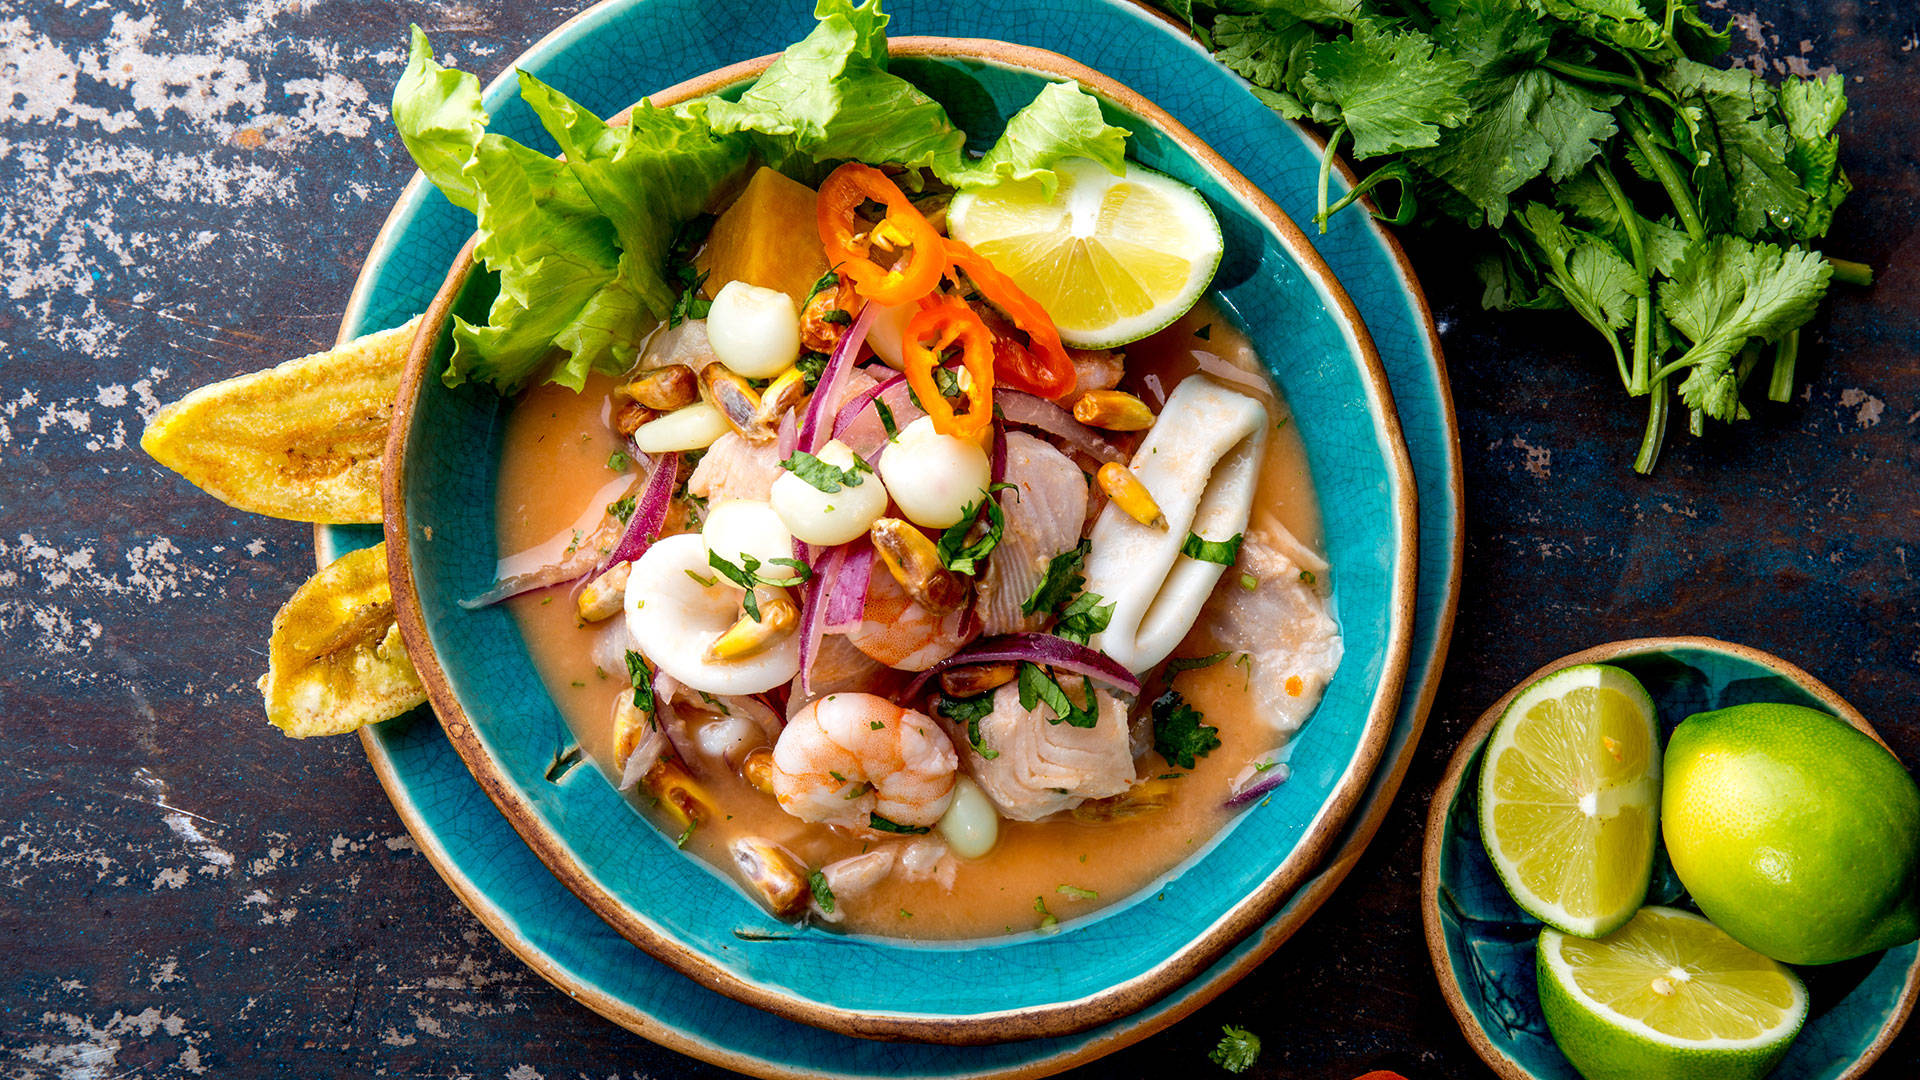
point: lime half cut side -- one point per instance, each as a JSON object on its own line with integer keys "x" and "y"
{"x": 1668, "y": 996}
{"x": 1111, "y": 258}
{"x": 1570, "y": 796}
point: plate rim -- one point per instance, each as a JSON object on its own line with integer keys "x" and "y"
{"x": 1042, "y": 1020}
{"x": 1447, "y": 792}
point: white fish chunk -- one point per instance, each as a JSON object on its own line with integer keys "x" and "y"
{"x": 1282, "y": 623}
{"x": 734, "y": 468}
{"x": 1044, "y": 767}
{"x": 1200, "y": 462}
{"x": 1044, "y": 510}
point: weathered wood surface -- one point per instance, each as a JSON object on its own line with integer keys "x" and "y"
{"x": 186, "y": 192}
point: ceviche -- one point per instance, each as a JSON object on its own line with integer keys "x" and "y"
{"x": 898, "y": 526}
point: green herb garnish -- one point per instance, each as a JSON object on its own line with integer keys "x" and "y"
{"x": 621, "y": 509}
{"x": 962, "y": 556}
{"x": 886, "y": 419}
{"x": 1062, "y": 580}
{"x": 826, "y": 281}
{"x": 822, "y": 892}
{"x": 1179, "y": 664}
{"x": 824, "y": 477}
{"x": 883, "y": 825}
{"x": 1075, "y": 892}
{"x": 1224, "y": 552}
{"x": 1238, "y": 1049}
{"x": 1086, "y": 616}
{"x": 1178, "y": 734}
{"x": 641, "y": 676}
{"x": 1039, "y": 686}
{"x": 812, "y": 365}
{"x": 617, "y": 461}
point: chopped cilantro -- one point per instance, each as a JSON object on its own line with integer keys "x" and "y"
{"x": 689, "y": 304}
{"x": 1062, "y": 580}
{"x": 1083, "y": 618}
{"x": 1248, "y": 581}
{"x": 621, "y": 508}
{"x": 876, "y": 725}
{"x": 1222, "y": 552}
{"x": 747, "y": 574}
{"x": 1038, "y": 686}
{"x": 1306, "y": 577}
{"x": 1048, "y": 923}
{"x": 822, "y": 892}
{"x": 709, "y": 581}
{"x": 970, "y": 711}
{"x": 1238, "y": 1049}
{"x": 1205, "y": 333}
{"x": 1178, "y": 734}
{"x": 1193, "y": 663}
{"x": 946, "y": 382}
{"x": 641, "y": 676}
{"x": 812, "y": 364}
{"x": 824, "y": 477}
{"x": 963, "y": 556}
{"x": 686, "y": 834}
{"x": 837, "y": 317}
{"x": 826, "y": 281}
{"x": 886, "y": 419}
{"x": 617, "y": 461}
{"x": 1075, "y": 892}
{"x": 883, "y": 825}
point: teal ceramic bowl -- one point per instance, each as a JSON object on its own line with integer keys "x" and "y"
{"x": 1482, "y": 945}
{"x": 441, "y": 464}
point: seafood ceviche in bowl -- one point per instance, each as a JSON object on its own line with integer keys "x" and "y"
{"x": 931, "y": 548}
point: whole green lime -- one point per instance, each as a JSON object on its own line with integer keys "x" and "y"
{"x": 1794, "y": 832}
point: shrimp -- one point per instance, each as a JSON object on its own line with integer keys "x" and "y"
{"x": 900, "y": 633}
{"x": 847, "y": 759}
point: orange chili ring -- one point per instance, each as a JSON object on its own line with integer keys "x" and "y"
{"x": 849, "y": 244}
{"x": 945, "y": 321}
{"x": 1040, "y": 367}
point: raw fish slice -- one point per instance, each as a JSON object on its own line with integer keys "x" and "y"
{"x": 1044, "y": 508}
{"x": 734, "y": 468}
{"x": 1043, "y": 767}
{"x": 1282, "y": 623}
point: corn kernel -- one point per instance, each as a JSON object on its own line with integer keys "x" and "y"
{"x": 914, "y": 562}
{"x": 1114, "y": 410}
{"x": 605, "y": 595}
{"x": 1130, "y": 495}
{"x": 665, "y": 389}
{"x": 750, "y": 636}
{"x": 737, "y": 401}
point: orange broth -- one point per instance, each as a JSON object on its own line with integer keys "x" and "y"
{"x": 554, "y": 479}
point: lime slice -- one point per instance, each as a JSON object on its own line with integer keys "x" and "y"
{"x": 1111, "y": 258}
{"x": 1668, "y": 995}
{"x": 1569, "y": 797}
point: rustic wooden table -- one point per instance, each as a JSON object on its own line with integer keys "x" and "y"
{"x": 188, "y": 192}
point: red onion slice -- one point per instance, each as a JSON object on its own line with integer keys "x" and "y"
{"x": 1234, "y": 375}
{"x": 813, "y": 424}
{"x": 1263, "y": 782}
{"x": 649, "y": 514}
{"x": 846, "y": 591}
{"x": 1044, "y": 649}
{"x": 858, "y": 404}
{"x": 1019, "y": 407}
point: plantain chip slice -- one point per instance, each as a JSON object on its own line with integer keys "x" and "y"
{"x": 301, "y": 440}
{"x": 336, "y": 662}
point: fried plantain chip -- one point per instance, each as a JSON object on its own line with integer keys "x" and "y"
{"x": 336, "y": 662}
{"x": 301, "y": 440}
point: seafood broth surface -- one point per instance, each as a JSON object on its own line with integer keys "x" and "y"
{"x": 555, "y": 472}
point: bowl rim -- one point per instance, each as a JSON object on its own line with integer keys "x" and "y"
{"x": 1448, "y": 791}
{"x": 1099, "y": 1007}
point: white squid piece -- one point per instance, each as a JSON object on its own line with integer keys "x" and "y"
{"x": 674, "y": 618}
{"x": 1200, "y": 462}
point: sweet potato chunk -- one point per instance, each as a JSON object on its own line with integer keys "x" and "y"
{"x": 769, "y": 237}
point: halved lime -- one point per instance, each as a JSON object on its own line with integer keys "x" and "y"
{"x": 1668, "y": 996}
{"x": 1111, "y": 258}
{"x": 1569, "y": 798}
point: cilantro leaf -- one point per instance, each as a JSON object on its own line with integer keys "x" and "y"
{"x": 1238, "y": 1049}
{"x": 970, "y": 711}
{"x": 641, "y": 676}
{"x": 1812, "y": 108}
{"x": 963, "y": 556}
{"x": 1083, "y": 618}
{"x": 1063, "y": 579}
{"x": 822, "y": 892}
{"x": 822, "y": 476}
{"x": 1392, "y": 89}
{"x": 1039, "y": 687}
{"x": 1727, "y": 292}
{"x": 621, "y": 509}
{"x": 880, "y": 824}
{"x": 1223, "y": 552}
{"x": 1178, "y": 664}
{"x": 1739, "y": 152}
{"x": 1269, "y": 49}
{"x": 1178, "y": 734}
{"x": 1588, "y": 273}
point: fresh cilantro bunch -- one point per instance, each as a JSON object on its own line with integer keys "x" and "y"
{"x": 1671, "y": 204}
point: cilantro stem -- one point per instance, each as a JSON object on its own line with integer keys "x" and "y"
{"x": 1594, "y": 74}
{"x": 1326, "y": 174}
{"x": 1853, "y": 273}
{"x": 1656, "y": 432}
{"x": 1669, "y": 176}
{"x": 1785, "y": 354}
{"x": 1639, "y": 381}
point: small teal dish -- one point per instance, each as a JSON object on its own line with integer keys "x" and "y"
{"x": 440, "y": 469}
{"x": 1482, "y": 944}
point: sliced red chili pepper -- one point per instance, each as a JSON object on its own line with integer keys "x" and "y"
{"x": 944, "y": 322}
{"x": 1042, "y": 365}
{"x": 850, "y": 243}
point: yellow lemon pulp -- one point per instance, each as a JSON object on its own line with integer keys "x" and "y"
{"x": 1569, "y": 796}
{"x": 1110, "y": 258}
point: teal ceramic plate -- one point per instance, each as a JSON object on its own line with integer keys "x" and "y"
{"x": 441, "y": 464}
{"x": 501, "y": 880}
{"x": 1483, "y": 945}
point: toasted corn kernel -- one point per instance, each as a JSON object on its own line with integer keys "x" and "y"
{"x": 772, "y": 872}
{"x": 785, "y": 392}
{"x": 736, "y": 399}
{"x": 630, "y": 417}
{"x": 665, "y": 389}
{"x": 751, "y": 637}
{"x": 1115, "y": 410}
{"x": 887, "y": 236}
{"x": 1130, "y": 495}
{"x": 680, "y": 794}
{"x": 976, "y": 679}
{"x": 757, "y": 769}
{"x": 1145, "y": 797}
{"x": 915, "y": 564}
{"x": 606, "y": 595}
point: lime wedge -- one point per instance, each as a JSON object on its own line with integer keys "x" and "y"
{"x": 1110, "y": 258}
{"x": 1668, "y": 995}
{"x": 1569, "y": 798}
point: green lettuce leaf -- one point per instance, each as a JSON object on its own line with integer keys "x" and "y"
{"x": 441, "y": 120}
{"x": 1062, "y": 121}
{"x": 646, "y": 176}
{"x": 829, "y": 97}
